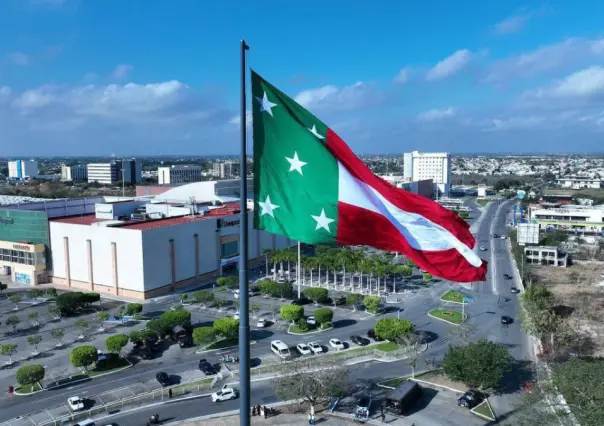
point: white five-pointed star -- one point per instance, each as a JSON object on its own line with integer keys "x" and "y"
{"x": 267, "y": 207}
{"x": 265, "y": 104}
{"x": 295, "y": 163}
{"x": 314, "y": 132}
{"x": 323, "y": 221}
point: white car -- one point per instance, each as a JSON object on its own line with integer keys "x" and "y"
{"x": 304, "y": 349}
{"x": 75, "y": 403}
{"x": 336, "y": 344}
{"x": 236, "y": 315}
{"x": 503, "y": 237}
{"x": 483, "y": 248}
{"x": 261, "y": 323}
{"x": 315, "y": 348}
{"x": 311, "y": 320}
{"x": 224, "y": 394}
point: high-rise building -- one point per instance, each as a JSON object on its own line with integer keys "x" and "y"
{"x": 178, "y": 174}
{"x": 22, "y": 169}
{"x": 429, "y": 165}
{"x": 74, "y": 173}
{"x": 226, "y": 169}
{"x": 117, "y": 170}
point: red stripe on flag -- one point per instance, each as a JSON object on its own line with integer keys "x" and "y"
{"x": 358, "y": 226}
{"x": 402, "y": 199}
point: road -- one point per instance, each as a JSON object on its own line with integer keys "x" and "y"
{"x": 491, "y": 300}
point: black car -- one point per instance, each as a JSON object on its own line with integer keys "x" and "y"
{"x": 507, "y": 276}
{"x": 506, "y": 320}
{"x": 371, "y": 334}
{"x": 470, "y": 399}
{"x": 495, "y": 236}
{"x": 301, "y": 301}
{"x": 358, "y": 340}
{"x": 514, "y": 290}
{"x": 163, "y": 379}
{"x": 206, "y": 367}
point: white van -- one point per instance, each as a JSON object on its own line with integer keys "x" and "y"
{"x": 280, "y": 349}
{"x": 87, "y": 422}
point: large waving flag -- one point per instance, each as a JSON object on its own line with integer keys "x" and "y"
{"x": 310, "y": 187}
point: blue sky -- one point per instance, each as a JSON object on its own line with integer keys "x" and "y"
{"x": 92, "y": 77}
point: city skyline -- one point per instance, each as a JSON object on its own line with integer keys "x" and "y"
{"x": 507, "y": 77}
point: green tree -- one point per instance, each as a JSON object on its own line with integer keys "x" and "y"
{"x": 205, "y": 297}
{"x": 228, "y": 282}
{"x": 372, "y": 303}
{"x": 541, "y": 324}
{"x": 102, "y": 316}
{"x": 9, "y": 349}
{"x": 292, "y": 313}
{"x": 203, "y": 336}
{"x": 226, "y": 327}
{"x": 138, "y": 336}
{"x": 316, "y": 294}
{"x": 537, "y": 298}
{"x": 51, "y": 291}
{"x": 393, "y": 328}
{"x": 254, "y": 309}
{"x": 58, "y": 334}
{"x": 134, "y": 308}
{"x": 13, "y": 321}
{"x": 323, "y": 316}
{"x": 481, "y": 364}
{"x": 88, "y": 299}
{"x": 83, "y": 356}
{"x": 174, "y": 318}
{"x": 160, "y": 327}
{"x": 427, "y": 277}
{"x": 69, "y": 303}
{"x": 30, "y": 374}
{"x": 354, "y": 300}
{"x": 82, "y": 325}
{"x": 15, "y": 298}
{"x": 34, "y": 341}
{"x": 116, "y": 343}
{"x": 33, "y": 317}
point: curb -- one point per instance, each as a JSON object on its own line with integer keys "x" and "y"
{"x": 451, "y": 301}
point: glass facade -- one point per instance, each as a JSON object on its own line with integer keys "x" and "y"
{"x": 25, "y": 226}
{"x": 22, "y": 257}
{"x": 229, "y": 249}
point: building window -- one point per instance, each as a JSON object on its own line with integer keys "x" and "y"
{"x": 229, "y": 249}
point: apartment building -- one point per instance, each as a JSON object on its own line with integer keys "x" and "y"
{"x": 429, "y": 165}
{"x": 74, "y": 173}
{"x": 23, "y": 169}
{"x": 579, "y": 182}
{"x": 109, "y": 173}
{"x": 225, "y": 170}
{"x": 174, "y": 175}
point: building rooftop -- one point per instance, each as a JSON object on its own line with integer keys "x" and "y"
{"x": 90, "y": 219}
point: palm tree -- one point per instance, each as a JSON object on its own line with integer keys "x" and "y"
{"x": 366, "y": 267}
{"x": 289, "y": 256}
{"x": 274, "y": 258}
{"x": 343, "y": 257}
{"x": 267, "y": 253}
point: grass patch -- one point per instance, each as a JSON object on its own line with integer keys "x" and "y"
{"x": 484, "y": 409}
{"x": 453, "y": 296}
{"x": 193, "y": 386}
{"x": 453, "y": 317}
{"x": 483, "y": 203}
{"x": 387, "y": 346}
{"x": 113, "y": 362}
{"x": 25, "y": 389}
{"x": 297, "y": 329}
{"x": 139, "y": 317}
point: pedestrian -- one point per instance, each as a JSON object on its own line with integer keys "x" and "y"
{"x": 258, "y": 409}
{"x": 261, "y": 411}
{"x": 312, "y": 419}
{"x": 383, "y": 418}
{"x": 309, "y": 419}
{"x": 170, "y": 393}
{"x": 253, "y": 410}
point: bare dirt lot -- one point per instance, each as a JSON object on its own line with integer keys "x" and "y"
{"x": 581, "y": 287}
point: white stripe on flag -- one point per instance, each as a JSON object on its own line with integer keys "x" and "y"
{"x": 420, "y": 232}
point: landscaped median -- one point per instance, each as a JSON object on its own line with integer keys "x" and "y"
{"x": 453, "y": 296}
{"x": 484, "y": 410}
{"x": 446, "y": 315}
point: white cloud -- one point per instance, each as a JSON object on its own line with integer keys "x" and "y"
{"x": 585, "y": 83}
{"x": 546, "y": 58}
{"x": 121, "y": 71}
{"x": 18, "y": 58}
{"x": 331, "y": 97}
{"x": 403, "y": 76}
{"x": 5, "y": 92}
{"x": 513, "y": 24}
{"x": 236, "y": 120}
{"x": 513, "y": 123}
{"x": 449, "y": 66}
{"x": 34, "y": 99}
{"x": 436, "y": 114}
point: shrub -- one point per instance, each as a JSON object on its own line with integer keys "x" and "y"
{"x": 51, "y": 291}
{"x": 292, "y": 312}
{"x": 301, "y": 325}
{"x": 372, "y": 303}
{"x": 68, "y": 303}
{"x": 159, "y": 327}
{"x": 275, "y": 289}
{"x": 30, "y": 374}
{"x": 229, "y": 282}
{"x": 134, "y": 308}
{"x": 354, "y": 299}
{"x": 203, "y": 296}
{"x": 226, "y": 327}
{"x": 174, "y": 318}
{"x": 393, "y": 328}
{"x": 323, "y": 316}
{"x": 83, "y": 356}
{"x": 204, "y": 335}
{"x": 316, "y": 294}
{"x": 90, "y": 298}
{"x": 116, "y": 343}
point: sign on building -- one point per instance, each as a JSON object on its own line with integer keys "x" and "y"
{"x": 528, "y": 233}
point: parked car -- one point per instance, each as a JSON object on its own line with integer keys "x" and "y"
{"x": 163, "y": 378}
{"x": 236, "y": 315}
{"x": 207, "y": 368}
{"x": 315, "y": 348}
{"x": 514, "y": 290}
{"x": 470, "y": 399}
{"x": 506, "y": 320}
{"x": 311, "y": 320}
{"x": 75, "y": 403}
{"x": 304, "y": 349}
{"x": 336, "y": 344}
{"x": 503, "y": 237}
{"x": 301, "y": 301}
{"x": 261, "y": 323}
{"x": 371, "y": 334}
{"x": 224, "y": 394}
{"x": 358, "y": 340}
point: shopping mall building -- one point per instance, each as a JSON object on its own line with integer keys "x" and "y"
{"x": 139, "y": 247}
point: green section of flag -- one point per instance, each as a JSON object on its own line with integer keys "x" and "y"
{"x": 295, "y": 176}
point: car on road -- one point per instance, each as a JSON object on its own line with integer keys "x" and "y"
{"x": 507, "y": 276}
{"x": 163, "y": 378}
{"x": 506, "y": 320}
{"x": 495, "y": 236}
{"x": 224, "y": 394}
{"x": 261, "y": 323}
{"x": 470, "y": 399}
{"x": 336, "y": 344}
{"x": 315, "y": 348}
{"x": 311, "y": 320}
{"x": 514, "y": 290}
{"x": 236, "y": 315}
{"x": 371, "y": 334}
{"x": 304, "y": 349}
{"x": 483, "y": 248}
{"x": 75, "y": 403}
{"x": 358, "y": 340}
{"x": 503, "y": 237}
{"x": 206, "y": 368}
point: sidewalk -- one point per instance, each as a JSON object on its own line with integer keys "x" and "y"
{"x": 280, "y": 419}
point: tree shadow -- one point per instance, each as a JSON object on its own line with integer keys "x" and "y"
{"x": 343, "y": 323}
{"x": 563, "y": 310}
{"x": 427, "y": 336}
{"x": 261, "y": 334}
{"x": 513, "y": 381}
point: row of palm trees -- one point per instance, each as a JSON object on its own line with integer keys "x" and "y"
{"x": 359, "y": 272}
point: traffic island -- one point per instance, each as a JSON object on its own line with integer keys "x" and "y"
{"x": 27, "y": 389}
{"x": 484, "y": 411}
{"x": 296, "y": 331}
{"x": 446, "y": 315}
{"x": 453, "y": 296}
{"x": 221, "y": 344}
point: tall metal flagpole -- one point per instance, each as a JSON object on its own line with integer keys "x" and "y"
{"x": 298, "y": 270}
{"x": 244, "y": 297}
